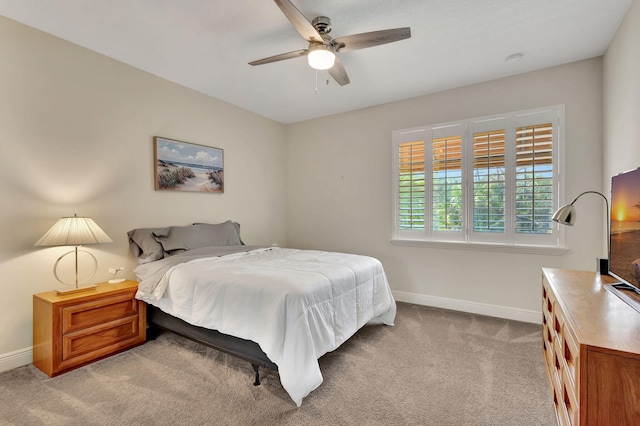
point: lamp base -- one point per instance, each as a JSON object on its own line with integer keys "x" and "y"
{"x": 76, "y": 290}
{"x": 602, "y": 266}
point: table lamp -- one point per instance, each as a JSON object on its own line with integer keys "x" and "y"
{"x": 566, "y": 215}
{"x": 74, "y": 231}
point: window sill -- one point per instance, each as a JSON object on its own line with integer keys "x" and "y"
{"x": 503, "y": 248}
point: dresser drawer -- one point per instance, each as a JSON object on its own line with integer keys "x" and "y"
{"x": 571, "y": 354}
{"x": 558, "y": 320}
{"x": 570, "y": 401}
{"x": 99, "y": 311}
{"x": 547, "y": 302}
{"x": 547, "y": 345}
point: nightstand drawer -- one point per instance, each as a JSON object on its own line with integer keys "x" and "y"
{"x": 96, "y": 312}
{"x": 99, "y": 337}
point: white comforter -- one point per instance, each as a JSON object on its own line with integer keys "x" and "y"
{"x": 296, "y": 304}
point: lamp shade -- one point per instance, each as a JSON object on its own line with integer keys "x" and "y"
{"x": 74, "y": 231}
{"x": 565, "y": 215}
{"x": 321, "y": 57}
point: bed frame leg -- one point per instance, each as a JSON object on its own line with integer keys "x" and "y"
{"x": 256, "y": 367}
{"x": 152, "y": 331}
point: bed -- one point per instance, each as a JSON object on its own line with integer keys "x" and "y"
{"x": 275, "y": 307}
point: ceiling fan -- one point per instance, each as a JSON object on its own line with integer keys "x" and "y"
{"x": 322, "y": 49}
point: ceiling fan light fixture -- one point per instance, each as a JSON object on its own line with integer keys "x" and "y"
{"x": 321, "y": 57}
{"x": 322, "y": 50}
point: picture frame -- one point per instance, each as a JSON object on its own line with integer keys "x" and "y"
{"x": 185, "y": 166}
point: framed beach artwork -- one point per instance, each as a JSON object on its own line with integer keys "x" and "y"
{"x": 184, "y": 166}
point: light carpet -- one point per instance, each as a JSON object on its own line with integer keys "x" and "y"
{"x": 434, "y": 367}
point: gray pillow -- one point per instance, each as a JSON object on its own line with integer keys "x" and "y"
{"x": 225, "y": 225}
{"x": 181, "y": 238}
{"x": 143, "y": 244}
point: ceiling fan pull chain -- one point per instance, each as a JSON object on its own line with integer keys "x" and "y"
{"x": 316, "y": 82}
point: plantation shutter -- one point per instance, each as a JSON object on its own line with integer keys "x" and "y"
{"x": 534, "y": 179}
{"x": 446, "y": 184}
{"x": 489, "y": 181}
{"x": 411, "y": 185}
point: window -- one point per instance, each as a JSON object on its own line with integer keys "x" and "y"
{"x": 483, "y": 180}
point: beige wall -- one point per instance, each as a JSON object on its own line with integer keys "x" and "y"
{"x": 622, "y": 98}
{"x": 340, "y": 195}
{"x": 76, "y": 137}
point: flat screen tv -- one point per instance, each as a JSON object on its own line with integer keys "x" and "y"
{"x": 624, "y": 235}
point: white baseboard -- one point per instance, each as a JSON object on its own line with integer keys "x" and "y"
{"x": 24, "y": 356}
{"x": 471, "y": 307}
{"x": 15, "y": 359}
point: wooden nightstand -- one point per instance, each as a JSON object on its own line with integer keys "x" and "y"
{"x": 74, "y": 330}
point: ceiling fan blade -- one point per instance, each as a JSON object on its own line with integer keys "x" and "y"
{"x": 298, "y": 20}
{"x": 338, "y": 73}
{"x": 280, "y": 57}
{"x": 374, "y": 38}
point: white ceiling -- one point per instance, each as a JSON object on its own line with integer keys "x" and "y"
{"x": 206, "y": 44}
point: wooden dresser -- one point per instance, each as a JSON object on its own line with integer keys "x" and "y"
{"x": 73, "y": 330}
{"x": 591, "y": 350}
